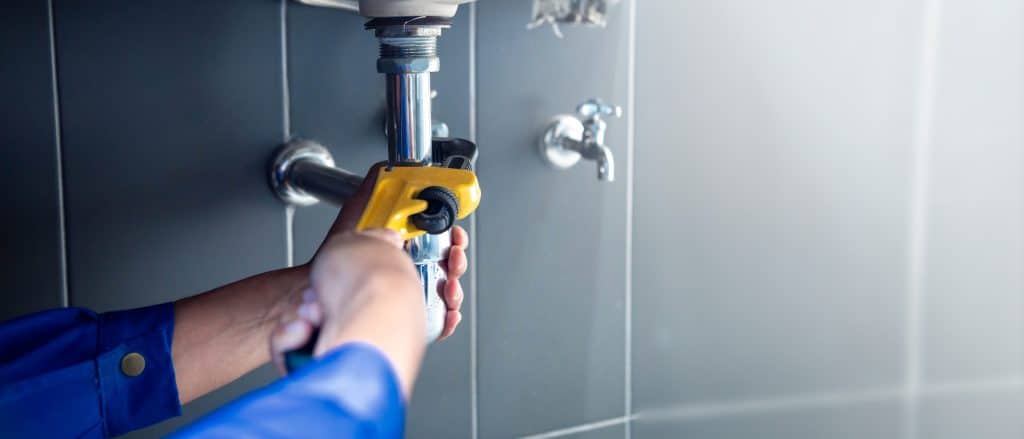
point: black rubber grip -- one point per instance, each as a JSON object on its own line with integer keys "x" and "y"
{"x": 442, "y": 210}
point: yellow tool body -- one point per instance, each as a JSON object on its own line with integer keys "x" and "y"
{"x": 394, "y": 199}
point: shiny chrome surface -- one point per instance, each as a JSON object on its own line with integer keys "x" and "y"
{"x": 332, "y": 185}
{"x": 409, "y": 123}
{"x": 302, "y": 173}
{"x": 410, "y": 8}
{"x": 554, "y": 147}
{"x": 569, "y": 138}
{"x": 408, "y": 54}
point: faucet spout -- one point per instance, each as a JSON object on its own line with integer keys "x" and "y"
{"x": 605, "y": 164}
{"x": 605, "y": 161}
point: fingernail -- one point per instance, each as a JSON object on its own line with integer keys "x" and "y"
{"x": 294, "y": 330}
{"x": 310, "y": 311}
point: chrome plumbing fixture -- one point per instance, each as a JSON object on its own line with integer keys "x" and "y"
{"x": 303, "y": 172}
{"x": 408, "y": 54}
{"x": 568, "y": 138}
{"x": 437, "y": 129}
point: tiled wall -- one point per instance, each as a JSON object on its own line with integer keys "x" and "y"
{"x": 817, "y": 229}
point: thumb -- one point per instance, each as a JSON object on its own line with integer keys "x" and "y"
{"x": 387, "y": 235}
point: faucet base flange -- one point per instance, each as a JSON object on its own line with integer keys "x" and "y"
{"x": 289, "y": 154}
{"x": 552, "y": 146}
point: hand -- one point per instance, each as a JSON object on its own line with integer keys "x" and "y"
{"x": 455, "y": 264}
{"x": 363, "y": 287}
{"x": 307, "y": 313}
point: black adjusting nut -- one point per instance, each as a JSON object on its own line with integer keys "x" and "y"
{"x": 442, "y": 210}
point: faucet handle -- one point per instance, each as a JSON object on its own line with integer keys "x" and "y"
{"x": 594, "y": 108}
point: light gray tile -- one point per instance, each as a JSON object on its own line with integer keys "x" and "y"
{"x": 974, "y": 290}
{"x": 993, "y": 415}
{"x": 551, "y": 243}
{"x": 337, "y": 98}
{"x": 880, "y": 420}
{"x": 169, "y": 116}
{"x": 31, "y": 278}
{"x": 772, "y": 158}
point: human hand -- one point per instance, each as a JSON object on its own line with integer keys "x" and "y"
{"x": 455, "y": 265}
{"x": 307, "y": 310}
{"x": 363, "y": 287}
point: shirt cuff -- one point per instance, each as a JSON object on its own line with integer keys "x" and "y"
{"x": 136, "y": 373}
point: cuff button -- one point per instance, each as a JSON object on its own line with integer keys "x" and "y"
{"x": 132, "y": 364}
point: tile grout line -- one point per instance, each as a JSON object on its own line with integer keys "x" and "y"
{"x": 65, "y": 291}
{"x": 918, "y": 216}
{"x": 286, "y": 126}
{"x": 474, "y": 423}
{"x": 630, "y": 170}
{"x": 289, "y": 235}
{"x": 794, "y": 402}
{"x": 582, "y": 428}
{"x": 286, "y": 97}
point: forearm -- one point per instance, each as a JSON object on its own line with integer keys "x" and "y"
{"x": 222, "y": 334}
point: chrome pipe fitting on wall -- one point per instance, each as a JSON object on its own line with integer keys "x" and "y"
{"x": 303, "y": 173}
{"x": 571, "y": 137}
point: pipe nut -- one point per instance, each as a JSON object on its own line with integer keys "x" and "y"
{"x": 408, "y": 65}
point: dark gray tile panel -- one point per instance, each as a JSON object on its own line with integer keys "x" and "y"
{"x": 551, "y": 243}
{"x": 337, "y": 98}
{"x": 30, "y": 230}
{"x": 770, "y": 233}
{"x": 170, "y": 112}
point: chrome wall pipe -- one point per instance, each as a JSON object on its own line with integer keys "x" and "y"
{"x": 303, "y": 173}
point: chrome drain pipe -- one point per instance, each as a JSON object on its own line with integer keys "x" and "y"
{"x": 303, "y": 172}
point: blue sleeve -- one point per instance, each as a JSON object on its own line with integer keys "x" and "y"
{"x": 351, "y": 392}
{"x": 61, "y": 372}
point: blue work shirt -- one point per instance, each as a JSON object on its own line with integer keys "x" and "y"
{"x": 74, "y": 373}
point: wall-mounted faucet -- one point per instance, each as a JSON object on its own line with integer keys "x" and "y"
{"x": 571, "y": 137}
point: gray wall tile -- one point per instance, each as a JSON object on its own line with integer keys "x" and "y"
{"x": 551, "y": 350}
{"x": 974, "y": 290}
{"x": 993, "y": 415}
{"x": 771, "y": 162}
{"x": 170, "y": 111}
{"x": 611, "y": 432}
{"x": 879, "y": 420}
{"x": 30, "y": 230}
{"x": 337, "y": 98}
